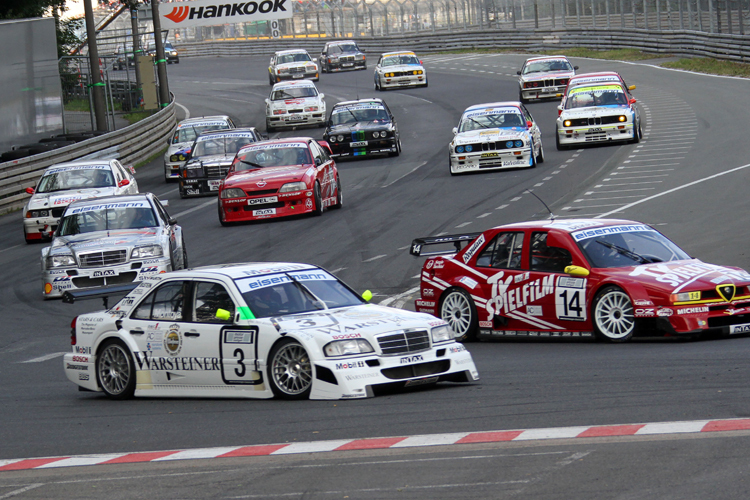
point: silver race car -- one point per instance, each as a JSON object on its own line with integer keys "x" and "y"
{"x": 184, "y": 135}
{"x": 64, "y": 183}
{"x": 292, "y": 64}
{"x": 112, "y": 240}
{"x": 293, "y": 331}
{"x": 293, "y": 104}
{"x": 544, "y": 77}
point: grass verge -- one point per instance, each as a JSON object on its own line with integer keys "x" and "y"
{"x": 136, "y": 116}
{"x": 618, "y": 54}
{"x": 711, "y": 66}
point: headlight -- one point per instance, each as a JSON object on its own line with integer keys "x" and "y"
{"x": 567, "y": 123}
{"x": 518, "y": 144}
{"x": 509, "y": 144}
{"x": 388, "y": 75}
{"x": 311, "y": 108}
{"x": 685, "y": 297}
{"x": 293, "y": 186}
{"x": 37, "y": 213}
{"x": 417, "y": 72}
{"x": 178, "y": 157}
{"x": 340, "y": 138}
{"x": 350, "y": 346}
{"x": 60, "y": 260}
{"x": 192, "y": 172}
{"x": 459, "y": 149}
{"x": 442, "y": 334}
{"x": 623, "y": 118}
{"x": 378, "y": 134}
{"x": 147, "y": 252}
{"x": 469, "y": 148}
{"x": 279, "y": 111}
{"x": 232, "y": 193}
{"x": 174, "y": 52}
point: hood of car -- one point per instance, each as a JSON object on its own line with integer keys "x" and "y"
{"x": 490, "y": 135}
{"x": 98, "y": 241}
{"x": 268, "y": 178}
{"x": 298, "y": 101}
{"x": 594, "y": 111}
{"x": 347, "y": 128}
{"x": 684, "y": 276}
{"x": 213, "y": 160}
{"x": 400, "y": 67}
{"x": 366, "y": 321}
{"x": 295, "y": 64}
{"x": 535, "y": 77}
{"x": 61, "y": 199}
{"x": 173, "y": 148}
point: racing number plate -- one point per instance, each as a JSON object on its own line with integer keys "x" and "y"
{"x": 359, "y": 144}
{"x": 490, "y": 155}
{"x": 511, "y": 163}
{"x": 298, "y": 75}
{"x": 347, "y": 65}
{"x": 295, "y": 118}
{"x": 262, "y": 201}
{"x": 214, "y": 185}
{"x": 264, "y": 211}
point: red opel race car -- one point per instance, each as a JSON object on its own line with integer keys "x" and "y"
{"x": 578, "y": 278}
{"x": 278, "y": 178}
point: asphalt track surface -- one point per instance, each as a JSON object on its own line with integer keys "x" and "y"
{"x": 688, "y": 178}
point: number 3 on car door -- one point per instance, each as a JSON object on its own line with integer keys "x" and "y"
{"x": 238, "y": 356}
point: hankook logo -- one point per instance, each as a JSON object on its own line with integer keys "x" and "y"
{"x": 215, "y": 12}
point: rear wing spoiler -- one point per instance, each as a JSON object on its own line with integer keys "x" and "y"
{"x": 417, "y": 246}
{"x": 104, "y": 292}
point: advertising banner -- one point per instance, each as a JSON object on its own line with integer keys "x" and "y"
{"x": 215, "y": 12}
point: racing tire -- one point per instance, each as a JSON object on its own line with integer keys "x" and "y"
{"x": 425, "y": 84}
{"x": 290, "y": 371}
{"x": 520, "y": 98}
{"x": 540, "y": 158}
{"x": 458, "y": 310}
{"x": 613, "y": 315}
{"x": 222, "y": 221}
{"x": 638, "y": 135}
{"x": 184, "y": 255}
{"x": 115, "y": 371}
{"x": 398, "y": 148}
{"x": 450, "y": 167}
{"x": 533, "y": 156}
{"x": 339, "y": 195}
{"x": 377, "y": 85}
{"x": 182, "y": 192}
{"x": 271, "y": 81}
{"x": 560, "y": 147}
{"x": 318, "y": 210}
{"x": 269, "y": 128}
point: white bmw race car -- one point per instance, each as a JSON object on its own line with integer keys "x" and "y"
{"x": 259, "y": 330}
{"x": 112, "y": 240}
{"x": 544, "y": 77}
{"x": 495, "y": 136}
{"x": 62, "y": 184}
{"x": 597, "y": 113}
{"x": 294, "y": 64}
{"x": 184, "y": 135}
{"x": 399, "y": 69}
{"x": 292, "y": 104}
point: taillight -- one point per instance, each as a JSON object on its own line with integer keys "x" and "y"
{"x": 73, "y": 331}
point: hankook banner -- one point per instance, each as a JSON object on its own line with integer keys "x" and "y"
{"x": 214, "y": 12}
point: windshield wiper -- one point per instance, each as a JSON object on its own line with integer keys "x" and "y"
{"x": 319, "y": 304}
{"x": 627, "y": 253}
{"x": 251, "y": 163}
{"x": 480, "y": 124}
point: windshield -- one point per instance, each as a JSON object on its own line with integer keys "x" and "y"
{"x": 289, "y": 58}
{"x": 402, "y": 59}
{"x": 547, "y": 66}
{"x": 342, "y": 47}
{"x": 623, "y": 246}
{"x": 477, "y": 120}
{"x": 273, "y": 156}
{"x": 354, "y": 114}
{"x": 611, "y": 95}
{"x": 219, "y": 145}
{"x": 293, "y": 93}
{"x": 76, "y": 178}
{"x": 108, "y": 217}
{"x": 188, "y": 133}
{"x": 295, "y": 292}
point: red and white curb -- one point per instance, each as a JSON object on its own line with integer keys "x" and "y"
{"x": 658, "y": 428}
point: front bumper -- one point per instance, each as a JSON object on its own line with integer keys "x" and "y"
{"x": 542, "y": 92}
{"x": 172, "y": 169}
{"x": 361, "y": 377}
{"x": 199, "y": 187}
{"x": 314, "y": 75}
{"x": 346, "y": 65}
{"x": 267, "y": 206}
{"x": 296, "y": 119}
{"x": 40, "y": 228}
{"x": 364, "y": 148}
{"x": 403, "y": 81}
{"x": 57, "y": 281}
{"x": 490, "y": 160}
{"x": 595, "y": 134}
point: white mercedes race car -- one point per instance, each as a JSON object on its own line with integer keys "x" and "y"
{"x": 544, "y": 77}
{"x": 292, "y": 65}
{"x": 112, "y": 240}
{"x": 64, "y": 183}
{"x": 184, "y": 135}
{"x": 495, "y": 136}
{"x": 292, "y": 104}
{"x": 597, "y": 113}
{"x": 399, "y": 69}
{"x": 259, "y": 330}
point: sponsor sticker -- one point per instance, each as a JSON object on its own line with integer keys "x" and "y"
{"x": 265, "y": 211}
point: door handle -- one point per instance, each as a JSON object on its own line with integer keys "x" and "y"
{"x": 136, "y": 332}
{"x": 192, "y": 334}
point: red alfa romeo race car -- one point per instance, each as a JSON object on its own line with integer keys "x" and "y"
{"x": 578, "y": 278}
{"x": 277, "y": 178}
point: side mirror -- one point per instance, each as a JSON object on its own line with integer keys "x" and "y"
{"x": 577, "y": 271}
{"x": 518, "y": 72}
{"x": 318, "y": 161}
{"x": 322, "y": 96}
{"x": 455, "y": 130}
{"x": 172, "y": 221}
{"x": 575, "y": 67}
{"x": 169, "y": 141}
{"x": 558, "y": 95}
{"x": 632, "y": 87}
{"x": 123, "y": 183}
{"x": 30, "y": 190}
{"x": 529, "y": 124}
{"x": 367, "y": 295}
{"x": 268, "y": 101}
{"x": 632, "y": 101}
{"x": 223, "y": 314}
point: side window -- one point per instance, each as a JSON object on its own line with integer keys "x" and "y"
{"x": 208, "y": 299}
{"x": 317, "y": 152}
{"x": 166, "y": 303}
{"x": 545, "y": 258}
{"x": 503, "y": 252}
{"x": 163, "y": 215}
{"x": 526, "y": 114}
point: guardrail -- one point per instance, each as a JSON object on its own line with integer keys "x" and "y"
{"x": 130, "y": 145}
{"x": 682, "y": 43}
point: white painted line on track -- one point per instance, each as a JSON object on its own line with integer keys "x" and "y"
{"x": 407, "y": 173}
{"x": 190, "y": 210}
{"x": 187, "y": 111}
{"x": 21, "y": 490}
{"x": 394, "y": 298}
{"x": 5, "y": 249}
{"x": 375, "y": 258}
{"x": 46, "y": 357}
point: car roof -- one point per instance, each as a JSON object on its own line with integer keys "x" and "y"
{"x": 290, "y": 51}
{"x": 279, "y": 140}
{"x": 578, "y": 86}
{"x": 544, "y": 58}
{"x": 473, "y": 107}
{"x": 241, "y": 130}
{"x": 568, "y": 225}
{"x": 293, "y": 83}
{"x": 80, "y": 164}
{"x": 244, "y": 269}
{"x": 359, "y": 101}
{"x": 119, "y": 198}
{"x": 398, "y": 52}
{"x": 201, "y": 119}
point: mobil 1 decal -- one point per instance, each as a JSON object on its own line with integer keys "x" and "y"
{"x": 238, "y": 353}
{"x": 570, "y": 298}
